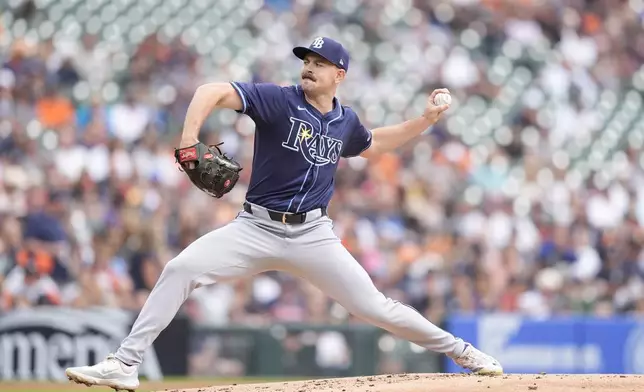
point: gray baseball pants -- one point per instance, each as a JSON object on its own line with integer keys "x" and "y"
{"x": 253, "y": 243}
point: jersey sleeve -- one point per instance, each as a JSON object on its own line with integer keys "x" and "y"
{"x": 260, "y": 101}
{"x": 359, "y": 139}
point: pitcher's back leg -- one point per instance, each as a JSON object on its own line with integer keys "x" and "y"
{"x": 320, "y": 258}
{"x": 332, "y": 269}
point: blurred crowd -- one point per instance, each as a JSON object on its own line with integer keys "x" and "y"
{"x": 92, "y": 204}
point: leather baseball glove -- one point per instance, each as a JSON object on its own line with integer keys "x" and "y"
{"x": 208, "y": 168}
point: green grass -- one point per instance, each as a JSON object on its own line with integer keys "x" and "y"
{"x": 152, "y": 386}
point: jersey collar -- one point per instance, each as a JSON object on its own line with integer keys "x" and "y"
{"x": 335, "y": 112}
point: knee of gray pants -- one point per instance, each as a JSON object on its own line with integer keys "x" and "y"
{"x": 374, "y": 310}
{"x": 174, "y": 266}
{"x": 187, "y": 270}
{"x": 180, "y": 274}
{"x": 178, "y": 266}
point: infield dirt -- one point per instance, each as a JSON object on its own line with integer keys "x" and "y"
{"x": 447, "y": 383}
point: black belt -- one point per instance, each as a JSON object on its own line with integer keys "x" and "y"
{"x": 284, "y": 217}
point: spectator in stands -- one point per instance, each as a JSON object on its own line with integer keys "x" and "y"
{"x": 28, "y": 283}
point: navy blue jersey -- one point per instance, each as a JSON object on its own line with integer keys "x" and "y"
{"x": 297, "y": 148}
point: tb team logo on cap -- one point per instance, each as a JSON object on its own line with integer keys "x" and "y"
{"x": 317, "y": 43}
{"x": 328, "y": 48}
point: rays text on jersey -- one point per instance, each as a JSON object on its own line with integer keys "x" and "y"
{"x": 316, "y": 148}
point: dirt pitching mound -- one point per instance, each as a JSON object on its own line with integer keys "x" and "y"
{"x": 448, "y": 383}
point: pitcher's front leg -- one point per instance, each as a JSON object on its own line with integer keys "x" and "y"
{"x": 235, "y": 250}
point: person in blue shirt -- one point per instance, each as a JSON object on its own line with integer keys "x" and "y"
{"x": 301, "y": 133}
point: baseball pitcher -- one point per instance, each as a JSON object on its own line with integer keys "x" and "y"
{"x": 302, "y": 131}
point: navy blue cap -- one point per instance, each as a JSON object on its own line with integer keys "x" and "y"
{"x": 330, "y": 49}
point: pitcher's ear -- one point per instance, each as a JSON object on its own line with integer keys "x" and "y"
{"x": 340, "y": 75}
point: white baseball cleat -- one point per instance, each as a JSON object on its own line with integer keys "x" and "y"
{"x": 110, "y": 373}
{"x": 478, "y": 362}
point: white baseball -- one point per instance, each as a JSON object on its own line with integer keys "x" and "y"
{"x": 442, "y": 99}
